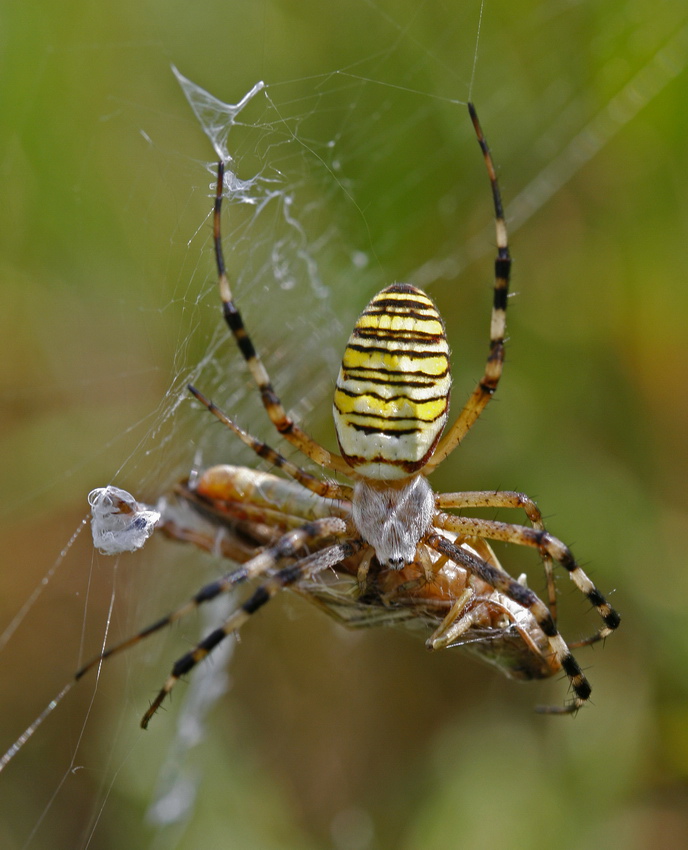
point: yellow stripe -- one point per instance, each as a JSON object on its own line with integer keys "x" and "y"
{"x": 394, "y": 322}
{"x": 417, "y": 296}
{"x": 405, "y": 363}
{"x": 402, "y": 408}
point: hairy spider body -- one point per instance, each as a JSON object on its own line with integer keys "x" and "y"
{"x": 393, "y": 520}
{"x": 389, "y": 536}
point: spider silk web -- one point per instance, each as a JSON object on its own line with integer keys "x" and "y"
{"x": 348, "y": 169}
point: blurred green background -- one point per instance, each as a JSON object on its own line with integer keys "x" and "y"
{"x": 327, "y": 739}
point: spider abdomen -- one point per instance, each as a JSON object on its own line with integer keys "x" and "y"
{"x": 392, "y": 394}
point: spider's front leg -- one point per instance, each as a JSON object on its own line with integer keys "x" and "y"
{"x": 525, "y": 597}
{"x": 506, "y": 499}
{"x": 487, "y": 385}
{"x": 465, "y": 612}
{"x": 546, "y": 544}
{"x": 284, "y": 424}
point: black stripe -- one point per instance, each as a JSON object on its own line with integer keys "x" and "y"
{"x": 404, "y": 310}
{"x": 571, "y": 666}
{"x": 596, "y": 597}
{"x": 210, "y": 591}
{"x": 569, "y": 563}
{"x": 548, "y": 627}
{"x": 363, "y": 373}
{"x": 401, "y": 287}
{"x": 401, "y": 336}
{"x": 502, "y": 268}
{"x": 390, "y": 398}
{"x": 236, "y": 324}
{"x": 390, "y": 432}
{"x": 288, "y": 575}
{"x": 259, "y": 598}
{"x": 188, "y": 662}
{"x": 154, "y": 627}
{"x": 523, "y": 595}
{"x": 501, "y": 294}
{"x": 232, "y": 316}
{"x": 612, "y": 619}
{"x": 395, "y": 352}
{"x": 583, "y": 689}
{"x": 246, "y": 347}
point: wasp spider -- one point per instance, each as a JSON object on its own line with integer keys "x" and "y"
{"x": 387, "y": 548}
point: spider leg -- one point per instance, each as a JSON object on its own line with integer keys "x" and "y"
{"x": 271, "y": 401}
{"x": 506, "y": 499}
{"x": 545, "y": 543}
{"x": 306, "y": 567}
{"x": 288, "y": 546}
{"x": 493, "y": 370}
{"x": 525, "y": 597}
{"x": 525, "y": 635}
{"x": 588, "y": 641}
{"x": 465, "y": 615}
{"x": 326, "y": 489}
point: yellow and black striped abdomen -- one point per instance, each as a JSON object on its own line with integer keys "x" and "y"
{"x": 392, "y": 395}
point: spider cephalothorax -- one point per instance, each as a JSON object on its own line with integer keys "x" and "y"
{"x": 393, "y": 520}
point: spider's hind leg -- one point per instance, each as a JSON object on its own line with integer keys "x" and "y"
{"x": 283, "y": 577}
{"x": 290, "y": 546}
